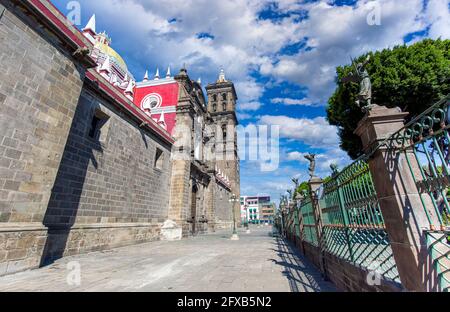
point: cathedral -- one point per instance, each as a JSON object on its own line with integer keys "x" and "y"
{"x": 92, "y": 158}
{"x": 205, "y": 156}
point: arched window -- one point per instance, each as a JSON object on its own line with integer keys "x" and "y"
{"x": 224, "y": 96}
{"x": 224, "y": 132}
{"x": 224, "y": 106}
{"x": 214, "y": 97}
{"x": 214, "y": 107}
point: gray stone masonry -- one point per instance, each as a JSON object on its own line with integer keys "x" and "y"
{"x": 40, "y": 84}
{"x": 39, "y": 90}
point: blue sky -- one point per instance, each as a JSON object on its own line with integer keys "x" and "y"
{"x": 281, "y": 55}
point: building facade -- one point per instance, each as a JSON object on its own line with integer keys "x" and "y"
{"x": 90, "y": 159}
{"x": 257, "y": 210}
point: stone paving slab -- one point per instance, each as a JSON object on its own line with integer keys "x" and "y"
{"x": 257, "y": 262}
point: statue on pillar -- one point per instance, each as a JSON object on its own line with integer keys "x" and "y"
{"x": 312, "y": 164}
{"x": 334, "y": 170}
{"x": 362, "y": 77}
{"x": 296, "y": 183}
{"x": 290, "y": 192}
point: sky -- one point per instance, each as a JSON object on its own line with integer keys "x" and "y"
{"x": 281, "y": 54}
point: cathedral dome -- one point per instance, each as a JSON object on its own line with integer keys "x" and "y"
{"x": 115, "y": 57}
{"x": 103, "y": 50}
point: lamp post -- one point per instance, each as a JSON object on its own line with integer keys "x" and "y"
{"x": 233, "y": 201}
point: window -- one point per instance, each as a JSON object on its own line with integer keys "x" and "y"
{"x": 224, "y": 132}
{"x": 98, "y": 122}
{"x": 214, "y": 97}
{"x": 224, "y": 106}
{"x": 224, "y": 97}
{"x": 215, "y": 107}
{"x": 159, "y": 159}
{"x": 94, "y": 127}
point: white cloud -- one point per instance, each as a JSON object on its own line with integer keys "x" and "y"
{"x": 159, "y": 33}
{"x": 289, "y": 101}
{"x": 324, "y": 160}
{"x": 337, "y": 32}
{"x": 332, "y": 156}
{"x": 438, "y": 13}
{"x": 297, "y": 156}
{"x": 313, "y": 132}
{"x": 243, "y": 116}
{"x": 249, "y": 106}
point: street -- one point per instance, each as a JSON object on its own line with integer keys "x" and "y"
{"x": 258, "y": 262}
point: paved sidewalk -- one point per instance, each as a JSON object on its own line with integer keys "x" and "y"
{"x": 256, "y": 263}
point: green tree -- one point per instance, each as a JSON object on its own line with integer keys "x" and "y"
{"x": 411, "y": 77}
{"x": 303, "y": 188}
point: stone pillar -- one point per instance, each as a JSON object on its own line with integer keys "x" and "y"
{"x": 301, "y": 230}
{"x": 315, "y": 184}
{"x": 399, "y": 199}
{"x": 297, "y": 223}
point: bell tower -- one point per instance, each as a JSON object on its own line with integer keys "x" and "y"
{"x": 222, "y": 100}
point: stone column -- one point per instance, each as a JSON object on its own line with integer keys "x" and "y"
{"x": 297, "y": 223}
{"x": 315, "y": 184}
{"x": 399, "y": 199}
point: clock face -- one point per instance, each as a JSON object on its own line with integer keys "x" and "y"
{"x": 151, "y": 101}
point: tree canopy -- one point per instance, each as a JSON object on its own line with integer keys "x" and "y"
{"x": 303, "y": 188}
{"x": 411, "y": 77}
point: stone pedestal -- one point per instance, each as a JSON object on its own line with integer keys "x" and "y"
{"x": 170, "y": 231}
{"x": 398, "y": 196}
{"x": 315, "y": 183}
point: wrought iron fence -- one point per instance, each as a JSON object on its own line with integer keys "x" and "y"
{"x": 438, "y": 246}
{"x": 290, "y": 224}
{"x": 425, "y": 144}
{"x": 353, "y": 226}
{"x": 309, "y": 230}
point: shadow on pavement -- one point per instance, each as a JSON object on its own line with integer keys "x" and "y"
{"x": 301, "y": 274}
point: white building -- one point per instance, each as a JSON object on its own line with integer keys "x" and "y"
{"x": 251, "y": 208}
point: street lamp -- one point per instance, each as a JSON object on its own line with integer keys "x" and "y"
{"x": 233, "y": 200}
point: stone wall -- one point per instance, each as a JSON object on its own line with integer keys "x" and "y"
{"x": 40, "y": 84}
{"x": 81, "y": 171}
{"x": 65, "y": 188}
{"x": 223, "y": 212}
{"x": 344, "y": 275}
{"x": 348, "y": 277}
{"x": 39, "y": 90}
{"x": 110, "y": 181}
